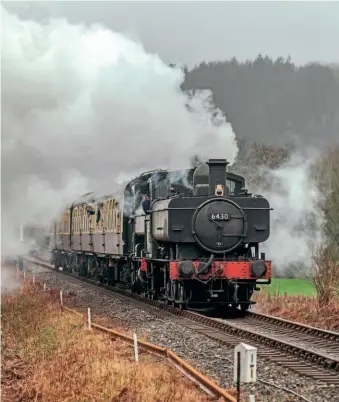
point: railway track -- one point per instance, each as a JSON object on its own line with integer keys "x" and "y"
{"x": 308, "y": 351}
{"x": 320, "y": 341}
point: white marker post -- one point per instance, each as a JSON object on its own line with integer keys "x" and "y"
{"x": 136, "y": 352}
{"x": 245, "y": 366}
{"x": 33, "y": 280}
{"x": 251, "y": 398}
{"x": 61, "y": 303}
{"x": 17, "y": 272}
{"x": 89, "y": 321}
{"x": 44, "y": 286}
{"x": 24, "y": 276}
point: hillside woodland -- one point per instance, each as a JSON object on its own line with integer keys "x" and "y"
{"x": 273, "y": 101}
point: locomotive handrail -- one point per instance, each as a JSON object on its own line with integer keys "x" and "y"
{"x": 194, "y": 208}
{"x": 256, "y": 209}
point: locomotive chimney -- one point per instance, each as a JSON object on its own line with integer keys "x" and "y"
{"x": 217, "y": 176}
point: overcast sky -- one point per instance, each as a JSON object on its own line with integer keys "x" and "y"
{"x": 190, "y": 32}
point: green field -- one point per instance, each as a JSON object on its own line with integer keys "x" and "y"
{"x": 290, "y": 286}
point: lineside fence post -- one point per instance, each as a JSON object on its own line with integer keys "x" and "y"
{"x": 136, "y": 352}
{"x": 61, "y": 301}
{"x": 89, "y": 321}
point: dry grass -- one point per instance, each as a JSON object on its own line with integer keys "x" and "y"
{"x": 303, "y": 309}
{"x": 49, "y": 356}
{"x": 320, "y": 310}
{"x": 326, "y": 274}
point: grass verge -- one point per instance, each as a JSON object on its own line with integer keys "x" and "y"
{"x": 299, "y": 308}
{"x": 49, "y": 356}
{"x": 291, "y": 287}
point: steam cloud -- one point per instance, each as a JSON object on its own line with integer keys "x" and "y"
{"x": 8, "y": 282}
{"x": 296, "y": 221}
{"x": 84, "y": 107}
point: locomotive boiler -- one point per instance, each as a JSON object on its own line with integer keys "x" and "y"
{"x": 188, "y": 238}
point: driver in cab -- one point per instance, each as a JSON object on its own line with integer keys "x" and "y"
{"x": 146, "y": 204}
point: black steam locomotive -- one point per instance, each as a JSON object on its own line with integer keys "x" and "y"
{"x": 189, "y": 238}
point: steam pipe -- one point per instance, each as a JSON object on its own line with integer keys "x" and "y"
{"x": 206, "y": 266}
{"x": 142, "y": 280}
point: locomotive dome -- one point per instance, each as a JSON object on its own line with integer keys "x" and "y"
{"x": 201, "y": 173}
{"x": 201, "y": 179}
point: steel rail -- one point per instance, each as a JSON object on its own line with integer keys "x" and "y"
{"x": 282, "y": 322}
{"x": 307, "y": 362}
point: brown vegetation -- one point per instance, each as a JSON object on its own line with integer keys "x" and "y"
{"x": 326, "y": 275}
{"x": 302, "y": 309}
{"x": 321, "y": 310}
{"x": 48, "y": 355}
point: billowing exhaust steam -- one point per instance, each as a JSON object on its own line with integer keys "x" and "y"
{"x": 297, "y": 221}
{"x": 84, "y": 107}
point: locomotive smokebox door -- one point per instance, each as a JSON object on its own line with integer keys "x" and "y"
{"x": 219, "y": 225}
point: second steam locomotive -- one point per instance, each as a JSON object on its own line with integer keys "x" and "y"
{"x": 188, "y": 238}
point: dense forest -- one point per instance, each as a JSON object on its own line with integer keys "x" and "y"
{"x": 273, "y": 101}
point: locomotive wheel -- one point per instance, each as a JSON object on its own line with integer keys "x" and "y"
{"x": 64, "y": 264}
{"x": 174, "y": 288}
{"x": 182, "y": 297}
{"x": 244, "y": 306}
{"x": 168, "y": 294}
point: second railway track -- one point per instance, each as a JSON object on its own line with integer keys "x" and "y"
{"x": 308, "y": 351}
{"x": 321, "y": 342}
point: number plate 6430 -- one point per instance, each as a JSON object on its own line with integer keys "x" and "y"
{"x": 219, "y": 217}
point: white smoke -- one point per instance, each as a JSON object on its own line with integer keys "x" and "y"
{"x": 296, "y": 221}
{"x": 83, "y": 107}
{"x": 8, "y": 281}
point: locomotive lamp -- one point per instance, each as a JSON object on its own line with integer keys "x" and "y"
{"x": 219, "y": 190}
{"x": 258, "y": 268}
{"x": 217, "y": 176}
